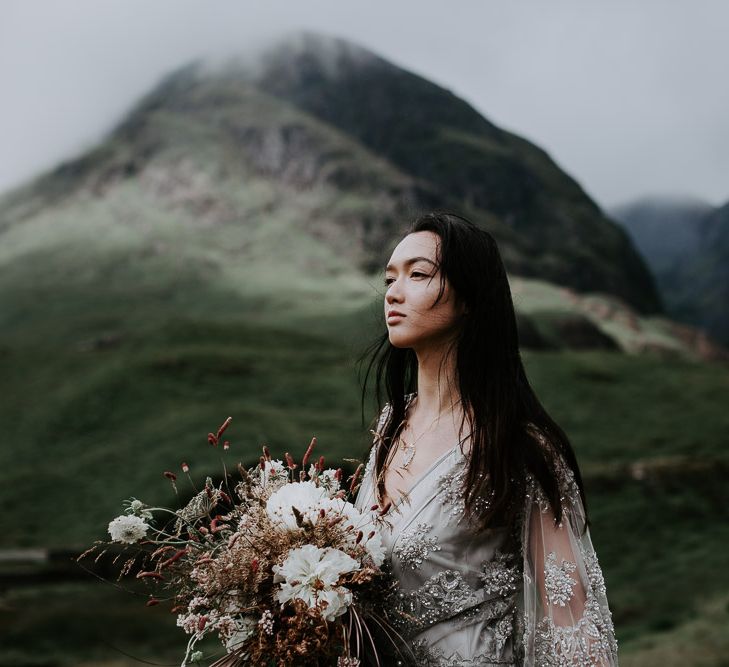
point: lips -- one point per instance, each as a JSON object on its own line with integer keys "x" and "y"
{"x": 394, "y": 313}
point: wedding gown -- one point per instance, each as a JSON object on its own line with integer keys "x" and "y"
{"x": 536, "y": 599}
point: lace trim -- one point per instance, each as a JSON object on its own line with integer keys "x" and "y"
{"x": 450, "y": 492}
{"x": 414, "y": 546}
{"x": 430, "y": 656}
{"x": 442, "y": 596}
{"x": 588, "y": 642}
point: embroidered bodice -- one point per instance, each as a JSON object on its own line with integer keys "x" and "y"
{"x": 536, "y": 597}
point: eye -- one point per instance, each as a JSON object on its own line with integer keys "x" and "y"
{"x": 416, "y": 273}
{"x": 388, "y": 280}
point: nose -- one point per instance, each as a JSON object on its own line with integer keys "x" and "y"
{"x": 393, "y": 294}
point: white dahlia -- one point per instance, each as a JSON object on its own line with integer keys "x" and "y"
{"x": 304, "y": 496}
{"x": 311, "y": 574}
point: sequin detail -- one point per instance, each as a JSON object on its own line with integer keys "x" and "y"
{"x": 414, "y": 546}
{"x": 450, "y": 492}
{"x": 594, "y": 573}
{"x": 557, "y": 580}
{"x": 443, "y": 595}
{"x": 500, "y": 575}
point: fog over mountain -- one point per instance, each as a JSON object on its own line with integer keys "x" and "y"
{"x": 626, "y": 97}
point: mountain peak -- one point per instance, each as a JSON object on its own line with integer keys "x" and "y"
{"x": 331, "y": 55}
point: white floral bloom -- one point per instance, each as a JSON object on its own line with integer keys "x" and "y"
{"x": 138, "y": 508}
{"x": 326, "y": 477}
{"x": 127, "y": 529}
{"x": 304, "y": 496}
{"x": 274, "y": 475}
{"x": 196, "y": 602}
{"x": 266, "y": 621}
{"x": 311, "y": 574}
{"x": 359, "y": 521}
{"x": 245, "y": 626}
{"x": 198, "y": 624}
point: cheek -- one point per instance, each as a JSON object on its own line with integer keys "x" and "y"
{"x": 443, "y": 316}
{"x": 440, "y": 316}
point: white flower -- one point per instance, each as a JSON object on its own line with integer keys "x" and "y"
{"x": 196, "y": 602}
{"x": 198, "y": 624}
{"x": 359, "y": 522}
{"x": 274, "y": 473}
{"x": 127, "y": 529}
{"x": 266, "y": 621}
{"x": 344, "y": 661}
{"x": 311, "y": 574}
{"x": 326, "y": 477}
{"x": 304, "y": 496}
{"x": 138, "y": 508}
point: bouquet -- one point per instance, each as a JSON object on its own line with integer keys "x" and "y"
{"x": 278, "y": 563}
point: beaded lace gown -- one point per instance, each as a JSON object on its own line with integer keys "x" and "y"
{"x": 533, "y": 598}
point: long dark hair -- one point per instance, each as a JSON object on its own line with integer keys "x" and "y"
{"x": 511, "y": 431}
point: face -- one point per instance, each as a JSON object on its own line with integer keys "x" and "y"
{"x": 412, "y": 281}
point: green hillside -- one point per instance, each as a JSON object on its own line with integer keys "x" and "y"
{"x": 103, "y": 423}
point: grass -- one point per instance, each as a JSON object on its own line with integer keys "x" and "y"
{"x": 88, "y": 428}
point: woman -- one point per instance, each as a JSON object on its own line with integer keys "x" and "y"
{"x": 481, "y": 498}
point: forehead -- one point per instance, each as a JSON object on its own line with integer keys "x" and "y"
{"x": 417, "y": 244}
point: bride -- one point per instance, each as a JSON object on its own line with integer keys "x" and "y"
{"x": 484, "y": 510}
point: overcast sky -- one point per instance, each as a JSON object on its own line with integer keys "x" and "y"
{"x": 628, "y": 96}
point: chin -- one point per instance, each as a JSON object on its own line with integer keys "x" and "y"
{"x": 397, "y": 339}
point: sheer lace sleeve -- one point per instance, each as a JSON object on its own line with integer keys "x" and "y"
{"x": 566, "y": 616}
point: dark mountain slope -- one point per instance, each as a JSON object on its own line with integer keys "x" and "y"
{"x": 438, "y": 138}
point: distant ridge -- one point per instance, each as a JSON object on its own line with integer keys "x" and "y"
{"x": 686, "y": 243}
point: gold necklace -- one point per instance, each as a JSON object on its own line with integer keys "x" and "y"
{"x": 409, "y": 449}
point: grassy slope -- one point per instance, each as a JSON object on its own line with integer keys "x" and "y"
{"x": 123, "y": 415}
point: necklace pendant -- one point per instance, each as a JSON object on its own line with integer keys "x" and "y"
{"x": 409, "y": 454}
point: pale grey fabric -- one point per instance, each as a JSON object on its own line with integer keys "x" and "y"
{"x": 534, "y": 597}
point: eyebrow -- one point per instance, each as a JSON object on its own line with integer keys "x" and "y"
{"x": 412, "y": 260}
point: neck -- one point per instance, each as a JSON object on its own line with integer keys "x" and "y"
{"x": 437, "y": 387}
